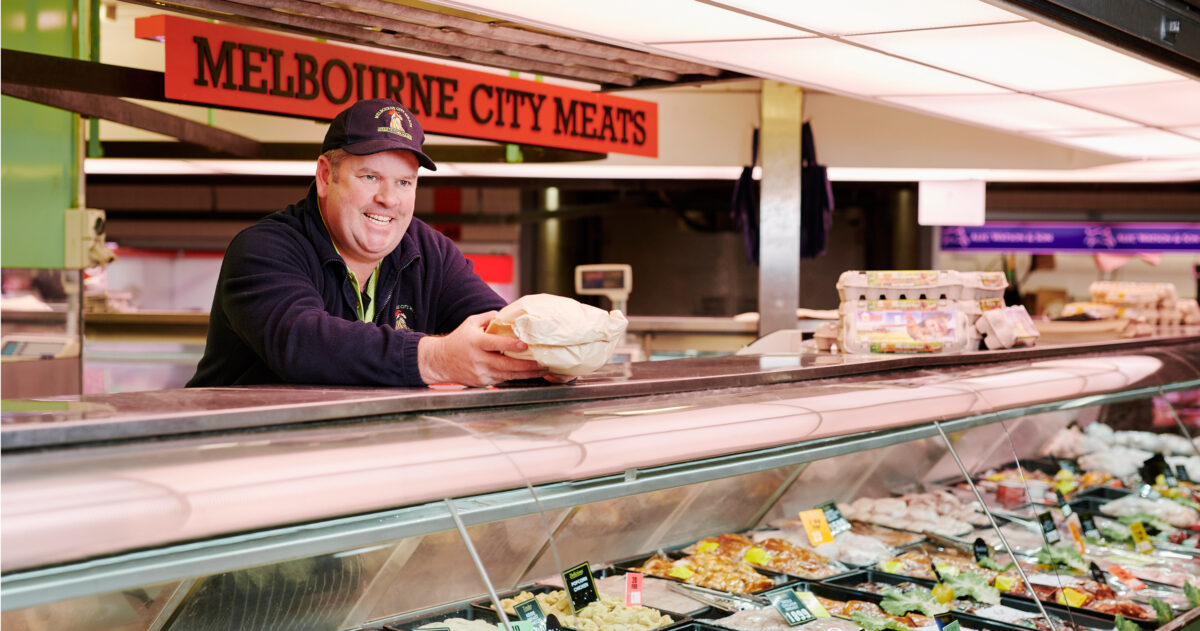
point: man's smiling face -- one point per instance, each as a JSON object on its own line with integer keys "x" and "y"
{"x": 367, "y": 202}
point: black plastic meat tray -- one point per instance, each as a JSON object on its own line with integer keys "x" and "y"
{"x": 1084, "y": 617}
{"x": 609, "y": 570}
{"x": 485, "y": 604}
{"x": 412, "y": 620}
{"x": 780, "y": 579}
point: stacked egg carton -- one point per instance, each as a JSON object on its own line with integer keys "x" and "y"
{"x": 915, "y": 311}
{"x": 1153, "y": 303}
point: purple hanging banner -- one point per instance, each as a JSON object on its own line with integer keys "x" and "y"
{"x": 1088, "y": 238}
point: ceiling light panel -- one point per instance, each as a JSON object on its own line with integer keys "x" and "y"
{"x": 832, "y": 65}
{"x": 1143, "y": 143}
{"x": 1027, "y": 56}
{"x": 635, "y": 21}
{"x": 1014, "y": 112}
{"x": 1193, "y": 131}
{"x": 847, "y": 17}
{"x": 1158, "y": 104}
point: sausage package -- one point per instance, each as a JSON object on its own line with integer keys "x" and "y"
{"x": 564, "y": 336}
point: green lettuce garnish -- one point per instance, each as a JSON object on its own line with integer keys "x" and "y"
{"x": 1148, "y": 520}
{"x": 919, "y": 599}
{"x": 1193, "y": 595}
{"x": 973, "y": 586}
{"x": 1124, "y": 624}
{"x": 1162, "y": 611}
{"x": 878, "y": 623}
{"x": 990, "y": 564}
{"x": 1061, "y": 556}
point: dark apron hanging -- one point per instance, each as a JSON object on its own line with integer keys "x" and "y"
{"x": 745, "y": 205}
{"x": 816, "y": 199}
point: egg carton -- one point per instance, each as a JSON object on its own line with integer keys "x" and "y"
{"x": 905, "y": 326}
{"x": 900, "y": 285}
{"x": 1007, "y": 328}
{"x": 982, "y": 285}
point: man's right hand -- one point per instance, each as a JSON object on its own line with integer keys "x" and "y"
{"x": 470, "y": 356}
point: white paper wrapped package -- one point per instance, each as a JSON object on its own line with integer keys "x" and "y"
{"x": 1007, "y": 327}
{"x": 564, "y": 336}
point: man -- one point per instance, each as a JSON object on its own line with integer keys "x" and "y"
{"x": 347, "y": 287}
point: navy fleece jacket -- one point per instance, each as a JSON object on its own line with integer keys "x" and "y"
{"x": 285, "y": 308}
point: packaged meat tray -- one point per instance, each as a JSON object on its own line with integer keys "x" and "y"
{"x": 904, "y": 326}
{"x": 606, "y": 614}
{"x": 773, "y": 553}
{"x": 1010, "y": 610}
{"x": 900, "y": 285}
{"x": 863, "y": 544}
{"x": 456, "y": 618}
{"x": 656, "y": 592}
{"x": 938, "y": 512}
{"x": 706, "y": 569}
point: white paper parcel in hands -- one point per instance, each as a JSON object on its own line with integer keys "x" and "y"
{"x": 565, "y": 336}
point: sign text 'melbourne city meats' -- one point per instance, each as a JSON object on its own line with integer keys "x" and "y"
{"x": 218, "y": 64}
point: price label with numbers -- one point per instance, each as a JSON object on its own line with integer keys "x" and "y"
{"x": 531, "y": 611}
{"x": 789, "y": 605}
{"x": 1049, "y": 529}
{"x": 1141, "y": 540}
{"x": 1123, "y": 575}
{"x": 1087, "y": 522}
{"x": 633, "y": 589}
{"x": 816, "y": 526}
{"x": 833, "y": 517}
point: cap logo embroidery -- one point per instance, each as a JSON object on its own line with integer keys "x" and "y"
{"x": 396, "y": 122}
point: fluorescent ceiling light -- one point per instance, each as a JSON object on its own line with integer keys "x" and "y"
{"x": 1027, "y": 57}
{"x": 1159, "y": 104}
{"x": 1014, "y": 112}
{"x": 1140, "y": 143}
{"x": 832, "y": 65}
{"x": 639, "y": 21}
{"x": 1192, "y": 131}
{"x": 846, "y": 17}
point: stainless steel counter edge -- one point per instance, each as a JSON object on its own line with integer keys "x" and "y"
{"x": 60, "y": 422}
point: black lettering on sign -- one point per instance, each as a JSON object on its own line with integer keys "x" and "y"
{"x": 346, "y": 77}
{"x": 564, "y": 118}
{"x": 306, "y": 77}
{"x": 249, "y": 68}
{"x": 276, "y": 55}
{"x": 223, "y": 62}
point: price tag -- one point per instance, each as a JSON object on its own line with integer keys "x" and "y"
{"x": 1141, "y": 541}
{"x": 1169, "y": 477}
{"x": 1152, "y": 467}
{"x": 1049, "y": 530}
{"x": 1097, "y": 573}
{"x": 1063, "y": 505}
{"x": 789, "y": 605}
{"x": 833, "y": 517}
{"x": 1087, "y": 521}
{"x": 517, "y": 625}
{"x": 707, "y": 546}
{"x": 1123, "y": 575}
{"x": 633, "y": 589}
{"x": 757, "y": 555}
{"x": 946, "y": 622}
{"x": 1077, "y": 536}
{"x": 435, "y": 628}
{"x": 812, "y": 604}
{"x": 816, "y": 526}
{"x": 1072, "y": 597}
{"x": 981, "y": 549}
{"x": 1181, "y": 473}
{"x": 531, "y": 611}
{"x": 681, "y": 572}
{"x": 581, "y": 587}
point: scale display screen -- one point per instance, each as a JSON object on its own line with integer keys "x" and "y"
{"x": 606, "y": 279}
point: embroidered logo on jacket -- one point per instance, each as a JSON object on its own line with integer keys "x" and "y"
{"x": 402, "y": 318}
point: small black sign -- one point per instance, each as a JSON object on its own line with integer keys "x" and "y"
{"x": 1049, "y": 530}
{"x": 1153, "y": 466}
{"x": 837, "y": 522}
{"x": 1063, "y": 505}
{"x": 1181, "y": 473}
{"x": 581, "y": 587}
{"x": 1097, "y": 573}
{"x": 789, "y": 605}
{"x": 531, "y": 610}
{"x": 981, "y": 549}
{"x": 1087, "y": 523}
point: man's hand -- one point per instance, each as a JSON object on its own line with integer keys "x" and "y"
{"x": 469, "y": 356}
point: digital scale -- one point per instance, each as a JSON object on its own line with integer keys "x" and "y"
{"x": 30, "y": 346}
{"x": 613, "y": 281}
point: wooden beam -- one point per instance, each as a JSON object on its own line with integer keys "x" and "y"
{"x": 47, "y": 71}
{"x": 133, "y": 115}
{"x": 493, "y": 30}
{"x": 358, "y": 35}
{"x": 457, "y": 38}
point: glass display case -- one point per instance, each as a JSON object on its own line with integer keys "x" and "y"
{"x": 317, "y": 508}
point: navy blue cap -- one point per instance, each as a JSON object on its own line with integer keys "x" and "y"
{"x": 377, "y": 125}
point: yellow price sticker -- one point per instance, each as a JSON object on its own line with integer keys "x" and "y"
{"x": 681, "y": 572}
{"x": 1005, "y": 583}
{"x": 707, "y": 546}
{"x": 810, "y": 601}
{"x": 1072, "y": 597}
{"x": 891, "y": 567}
{"x": 757, "y": 556}
{"x": 1077, "y": 536}
{"x": 816, "y": 526}
{"x": 1141, "y": 541}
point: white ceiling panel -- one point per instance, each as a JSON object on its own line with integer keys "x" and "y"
{"x": 1159, "y": 104}
{"x": 634, "y": 21}
{"x": 1027, "y": 57}
{"x": 846, "y": 17}
{"x": 1014, "y": 112}
{"x": 1139, "y": 143}
{"x": 832, "y": 65}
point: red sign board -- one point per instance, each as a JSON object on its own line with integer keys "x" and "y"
{"x": 218, "y": 64}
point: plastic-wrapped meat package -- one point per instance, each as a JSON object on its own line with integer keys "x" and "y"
{"x": 1100, "y": 431}
{"x": 1021, "y": 540}
{"x": 846, "y": 547}
{"x": 938, "y": 512}
{"x": 1122, "y": 462}
{"x": 770, "y": 620}
{"x": 1071, "y": 443}
{"x": 656, "y": 593}
{"x": 1191, "y": 463}
{"x": 1164, "y": 509}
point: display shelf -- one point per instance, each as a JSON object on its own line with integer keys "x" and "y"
{"x": 308, "y": 489}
